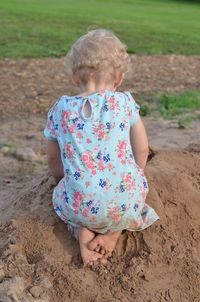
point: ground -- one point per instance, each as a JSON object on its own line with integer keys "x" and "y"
{"x": 38, "y": 263}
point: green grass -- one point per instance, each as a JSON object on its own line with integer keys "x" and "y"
{"x": 183, "y": 108}
{"x": 42, "y": 28}
{"x": 173, "y": 105}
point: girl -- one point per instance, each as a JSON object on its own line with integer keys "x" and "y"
{"x": 97, "y": 150}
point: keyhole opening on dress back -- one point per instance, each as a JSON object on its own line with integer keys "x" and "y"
{"x": 87, "y": 109}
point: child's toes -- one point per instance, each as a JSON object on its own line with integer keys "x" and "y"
{"x": 93, "y": 244}
{"x": 108, "y": 254}
{"x": 102, "y": 251}
{"x": 97, "y": 249}
{"x": 103, "y": 260}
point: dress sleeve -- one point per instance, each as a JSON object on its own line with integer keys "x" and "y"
{"x": 134, "y": 108}
{"x": 51, "y": 129}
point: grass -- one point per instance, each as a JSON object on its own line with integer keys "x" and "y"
{"x": 184, "y": 107}
{"x": 43, "y": 28}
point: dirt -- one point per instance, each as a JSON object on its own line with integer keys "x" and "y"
{"x": 158, "y": 264}
{"x": 39, "y": 261}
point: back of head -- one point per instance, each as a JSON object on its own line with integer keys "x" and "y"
{"x": 97, "y": 54}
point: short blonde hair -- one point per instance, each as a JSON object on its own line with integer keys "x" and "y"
{"x": 98, "y": 54}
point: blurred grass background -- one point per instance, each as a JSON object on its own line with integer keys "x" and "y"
{"x": 47, "y": 28}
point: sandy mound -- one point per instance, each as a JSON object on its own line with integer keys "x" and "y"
{"x": 40, "y": 262}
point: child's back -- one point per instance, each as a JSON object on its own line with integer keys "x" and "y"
{"x": 98, "y": 151}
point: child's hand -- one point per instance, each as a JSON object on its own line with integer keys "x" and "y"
{"x": 54, "y": 160}
{"x": 139, "y": 143}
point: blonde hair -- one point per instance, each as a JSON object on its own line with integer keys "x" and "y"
{"x": 98, "y": 54}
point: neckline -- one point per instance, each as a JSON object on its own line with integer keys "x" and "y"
{"x": 89, "y": 95}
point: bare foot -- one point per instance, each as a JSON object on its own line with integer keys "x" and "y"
{"x": 89, "y": 257}
{"x": 104, "y": 244}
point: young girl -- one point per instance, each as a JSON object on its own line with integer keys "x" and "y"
{"x": 97, "y": 150}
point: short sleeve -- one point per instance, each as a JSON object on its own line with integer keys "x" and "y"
{"x": 51, "y": 129}
{"x": 134, "y": 108}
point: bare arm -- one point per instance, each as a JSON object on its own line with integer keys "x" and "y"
{"x": 139, "y": 143}
{"x": 54, "y": 160}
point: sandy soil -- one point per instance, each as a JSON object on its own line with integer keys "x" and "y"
{"x": 38, "y": 259}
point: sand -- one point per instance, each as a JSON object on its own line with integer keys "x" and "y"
{"x": 41, "y": 262}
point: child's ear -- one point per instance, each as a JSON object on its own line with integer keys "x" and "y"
{"x": 119, "y": 81}
{"x": 75, "y": 80}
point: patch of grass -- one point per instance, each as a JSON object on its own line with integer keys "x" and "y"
{"x": 185, "y": 122}
{"x": 42, "y": 28}
{"x": 144, "y": 108}
{"x": 173, "y": 105}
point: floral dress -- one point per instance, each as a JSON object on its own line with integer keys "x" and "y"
{"x": 103, "y": 188}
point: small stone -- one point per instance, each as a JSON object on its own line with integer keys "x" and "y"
{"x": 46, "y": 283}
{"x": 26, "y": 154}
{"x": 36, "y": 291}
{"x": 5, "y": 150}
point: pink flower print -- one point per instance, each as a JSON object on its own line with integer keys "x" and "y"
{"x": 116, "y": 217}
{"x": 123, "y": 162}
{"x": 121, "y": 154}
{"x": 75, "y": 104}
{"x": 71, "y": 128}
{"x": 78, "y": 196}
{"x": 68, "y": 147}
{"x": 87, "y": 184}
{"x": 128, "y": 178}
{"x": 90, "y": 164}
{"x": 85, "y": 157}
{"x": 101, "y": 134}
{"x": 96, "y": 129}
{"x": 101, "y": 166}
{"x": 122, "y": 145}
{"x": 92, "y": 218}
{"x": 110, "y": 166}
{"x": 134, "y": 224}
{"x": 114, "y": 214}
{"x": 79, "y": 135}
{"x": 85, "y": 212}
{"x": 88, "y": 141}
{"x": 94, "y": 172}
{"x": 65, "y": 117}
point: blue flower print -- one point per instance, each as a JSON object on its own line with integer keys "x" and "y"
{"x": 94, "y": 210}
{"x": 135, "y": 207}
{"x": 64, "y": 155}
{"x": 107, "y": 125}
{"x": 77, "y": 175}
{"x": 99, "y": 155}
{"x": 105, "y": 107}
{"x": 123, "y": 207}
{"x": 102, "y": 183}
{"x": 58, "y": 208}
{"x": 122, "y": 189}
{"x": 89, "y": 203}
{"x": 145, "y": 184}
{"x": 122, "y": 126}
{"x": 66, "y": 198}
{"x": 80, "y": 126}
{"x": 67, "y": 171}
{"x": 106, "y": 158}
{"x": 74, "y": 120}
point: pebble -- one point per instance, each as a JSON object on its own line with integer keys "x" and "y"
{"x": 26, "y": 154}
{"x": 36, "y": 291}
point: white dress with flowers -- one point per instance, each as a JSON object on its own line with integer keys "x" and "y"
{"x": 103, "y": 188}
